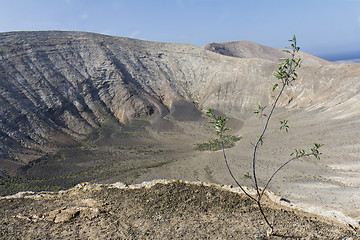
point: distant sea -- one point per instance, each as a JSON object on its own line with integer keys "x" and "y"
{"x": 353, "y": 57}
{"x": 357, "y": 60}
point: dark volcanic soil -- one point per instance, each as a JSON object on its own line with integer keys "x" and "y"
{"x": 175, "y": 210}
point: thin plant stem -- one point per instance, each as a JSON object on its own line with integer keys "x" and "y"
{"x": 264, "y": 215}
{"x": 272, "y": 176}
{"x": 230, "y": 172}
{"x": 286, "y": 73}
{"x": 260, "y": 139}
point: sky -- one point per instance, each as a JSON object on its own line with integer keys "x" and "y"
{"x": 325, "y": 28}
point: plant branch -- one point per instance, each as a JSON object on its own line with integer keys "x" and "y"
{"x": 231, "y": 174}
{"x": 264, "y": 216}
{"x": 286, "y": 74}
{"x": 272, "y": 176}
{"x": 260, "y": 138}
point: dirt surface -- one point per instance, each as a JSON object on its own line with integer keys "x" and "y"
{"x": 169, "y": 210}
{"x": 144, "y": 152}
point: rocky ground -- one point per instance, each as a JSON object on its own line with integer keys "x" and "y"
{"x": 165, "y": 210}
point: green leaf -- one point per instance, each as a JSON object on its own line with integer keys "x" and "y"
{"x": 275, "y": 86}
{"x": 284, "y": 125}
{"x": 247, "y": 175}
{"x": 218, "y": 122}
{"x": 298, "y": 153}
{"x": 287, "y": 51}
{"x": 260, "y": 140}
{"x": 315, "y": 150}
{"x": 259, "y": 110}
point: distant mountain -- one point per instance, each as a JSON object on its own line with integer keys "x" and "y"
{"x": 247, "y": 49}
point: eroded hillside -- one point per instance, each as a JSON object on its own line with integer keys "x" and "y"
{"x": 59, "y": 86}
{"x": 88, "y": 104}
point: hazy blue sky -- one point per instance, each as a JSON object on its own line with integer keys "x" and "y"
{"x": 323, "y": 27}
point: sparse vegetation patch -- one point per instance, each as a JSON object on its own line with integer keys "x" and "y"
{"x": 215, "y": 144}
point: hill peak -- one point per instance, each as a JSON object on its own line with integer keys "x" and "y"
{"x": 249, "y": 49}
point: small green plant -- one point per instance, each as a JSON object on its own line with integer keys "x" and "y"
{"x": 286, "y": 74}
{"x": 215, "y": 144}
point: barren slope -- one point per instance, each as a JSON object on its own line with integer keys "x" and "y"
{"x": 60, "y": 88}
{"x": 69, "y": 83}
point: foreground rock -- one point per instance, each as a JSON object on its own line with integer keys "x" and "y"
{"x": 163, "y": 211}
